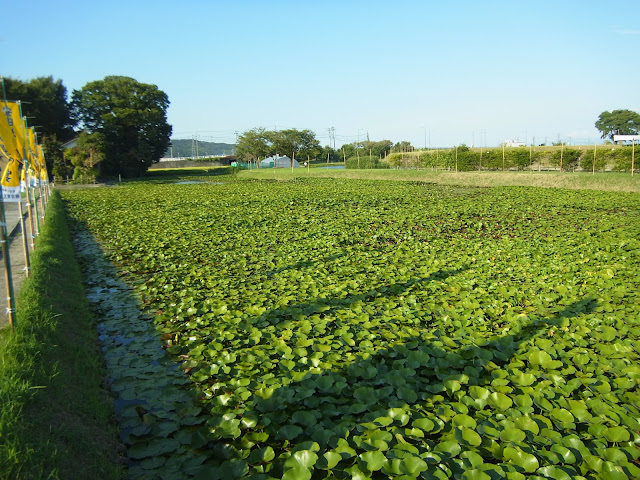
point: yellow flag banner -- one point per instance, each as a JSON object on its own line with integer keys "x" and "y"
{"x": 5, "y": 150}
{"x": 11, "y": 182}
{"x": 7, "y": 134}
{"x": 32, "y": 144}
{"x": 43, "y": 175}
{"x": 20, "y": 127}
{"x": 43, "y": 164}
{"x": 12, "y": 109}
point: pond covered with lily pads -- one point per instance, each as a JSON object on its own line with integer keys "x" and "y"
{"x": 325, "y": 328}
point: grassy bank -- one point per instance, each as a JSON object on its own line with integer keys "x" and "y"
{"x": 621, "y": 182}
{"x": 56, "y": 418}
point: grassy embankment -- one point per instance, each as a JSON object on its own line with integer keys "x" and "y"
{"x": 56, "y": 419}
{"x": 604, "y": 181}
{"x": 621, "y": 182}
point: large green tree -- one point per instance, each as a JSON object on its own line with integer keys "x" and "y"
{"x": 131, "y": 119}
{"x": 618, "y": 122}
{"x": 292, "y": 142}
{"x": 253, "y": 145}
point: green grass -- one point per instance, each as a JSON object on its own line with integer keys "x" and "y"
{"x": 56, "y": 418}
{"x": 619, "y": 182}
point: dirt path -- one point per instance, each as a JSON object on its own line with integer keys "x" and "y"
{"x": 16, "y": 257}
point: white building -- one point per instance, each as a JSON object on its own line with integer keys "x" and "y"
{"x": 626, "y": 138}
{"x": 513, "y": 143}
{"x": 280, "y": 162}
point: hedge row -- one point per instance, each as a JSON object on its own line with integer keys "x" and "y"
{"x": 464, "y": 159}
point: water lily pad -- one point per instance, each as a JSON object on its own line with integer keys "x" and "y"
{"x": 513, "y": 435}
{"x": 374, "y": 460}
{"x": 528, "y": 462}
{"x": 289, "y": 432}
{"x": 302, "y": 458}
{"x": 617, "y": 434}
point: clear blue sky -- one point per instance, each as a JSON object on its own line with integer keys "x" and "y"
{"x": 440, "y": 73}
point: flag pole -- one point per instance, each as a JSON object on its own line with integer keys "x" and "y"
{"x": 26, "y": 181}
{"x": 25, "y": 242}
{"x": 7, "y": 266}
{"x": 5, "y": 248}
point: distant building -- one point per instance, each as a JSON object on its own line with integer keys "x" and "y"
{"x": 280, "y": 162}
{"x": 513, "y": 143}
{"x": 621, "y": 139}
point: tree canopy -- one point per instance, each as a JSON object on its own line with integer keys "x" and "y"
{"x": 131, "y": 119}
{"x": 44, "y": 103}
{"x": 259, "y": 143}
{"x": 402, "y": 146}
{"x": 618, "y": 122}
{"x": 364, "y": 147}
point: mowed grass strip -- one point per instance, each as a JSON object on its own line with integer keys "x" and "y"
{"x": 56, "y": 417}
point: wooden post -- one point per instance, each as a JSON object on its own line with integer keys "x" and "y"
{"x": 480, "y": 159}
{"x": 42, "y": 200}
{"x": 36, "y": 217}
{"x": 32, "y": 230}
{"x": 503, "y": 156}
{"x": 561, "y": 154}
{"x": 456, "y": 159}
{"x": 25, "y": 242}
{"x": 595, "y": 148}
{"x": 344, "y": 155}
{"x": 633, "y": 155}
{"x": 540, "y": 163}
{"x": 7, "y": 266}
{"x": 358, "y": 153}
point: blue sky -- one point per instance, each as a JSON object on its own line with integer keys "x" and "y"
{"x": 434, "y": 73}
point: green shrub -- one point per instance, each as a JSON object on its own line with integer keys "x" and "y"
{"x": 567, "y": 159}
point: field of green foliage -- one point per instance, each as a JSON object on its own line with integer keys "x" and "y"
{"x": 368, "y": 329}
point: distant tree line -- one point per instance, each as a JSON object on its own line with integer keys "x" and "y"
{"x": 120, "y": 128}
{"x": 258, "y": 143}
{"x": 193, "y": 147}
